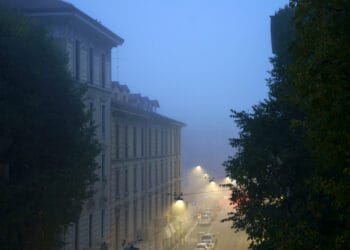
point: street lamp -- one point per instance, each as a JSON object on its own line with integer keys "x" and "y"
{"x": 198, "y": 170}
{"x": 180, "y": 203}
{"x": 177, "y": 197}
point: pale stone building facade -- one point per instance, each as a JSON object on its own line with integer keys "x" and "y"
{"x": 140, "y": 159}
{"x": 146, "y": 172}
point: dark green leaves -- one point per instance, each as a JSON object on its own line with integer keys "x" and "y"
{"x": 293, "y": 157}
{"x": 45, "y": 141}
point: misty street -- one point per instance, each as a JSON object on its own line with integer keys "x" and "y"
{"x": 227, "y": 238}
{"x": 207, "y": 204}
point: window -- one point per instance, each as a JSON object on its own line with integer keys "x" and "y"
{"x": 135, "y": 178}
{"x": 143, "y": 177}
{"x": 156, "y": 146}
{"x": 156, "y": 173}
{"x": 135, "y": 218}
{"x": 171, "y": 170}
{"x": 142, "y": 142}
{"x": 77, "y": 60}
{"x": 162, "y": 171}
{"x": 178, "y": 143}
{"x": 102, "y": 222}
{"x": 162, "y": 203}
{"x": 171, "y": 142}
{"x": 126, "y": 181}
{"x": 150, "y": 208}
{"x": 135, "y": 142}
{"x": 150, "y": 142}
{"x": 177, "y": 166}
{"x": 149, "y": 175}
{"x": 103, "y": 71}
{"x": 117, "y": 228}
{"x": 90, "y": 230}
{"x": 126, "y": 221}
{"x": 166, "y": 142}
{"x": 126, "y": 138}
{"x": 156, "y": 206}
{"x": 166, "y": 171}
{"x": 117, "y": 183}
{"x": 91, "y": 66}
{"x": 103, "y": 120}
{"x": 117, "y": 141}
{"x": 162, "y": 143}
{"x": 103, "y": 167}
{"x": 143, "y": 212}
{"x": 175, "y": 169}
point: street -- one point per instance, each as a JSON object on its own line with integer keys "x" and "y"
{"x": 228, "y": 239}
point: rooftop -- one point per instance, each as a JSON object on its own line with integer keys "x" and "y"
{"x": 51, "y": 7}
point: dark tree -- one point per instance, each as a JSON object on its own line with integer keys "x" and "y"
{"x": 292, "y": 160}
{"x": 272, "y": 164}
{"x": 321, "y": 78}
{"x": 47, "y": 148}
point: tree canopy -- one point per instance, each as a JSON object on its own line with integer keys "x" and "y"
{"x": 320, "y": 76}
{"x": 292, "y": 158}
{"x": 47, "y": 148}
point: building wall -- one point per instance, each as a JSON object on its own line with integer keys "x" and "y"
{"x": 146, "y": 174}
{"x": 139, "y": 165}
{"x": 93, "y": 227}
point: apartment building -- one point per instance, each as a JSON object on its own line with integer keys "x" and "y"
{"x": 140, "y": 162}
{"x": 146, "y": 171}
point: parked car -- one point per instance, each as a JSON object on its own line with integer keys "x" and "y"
{"x": 208, "y": 236}
{"x": 201, "y": 246}
{"x": 210, "y": 244}
{"x": 209, "y": 239}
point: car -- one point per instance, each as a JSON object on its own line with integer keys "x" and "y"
{"x": 208, "y": 212}
{"x": 204, "y": 220}
{"x": 212, "y": 212}
{"x": 209, "y": 239}
{"x": 209, "y": 236}
{"x": 210, "y": 244}
{"x": 201, "y": 246}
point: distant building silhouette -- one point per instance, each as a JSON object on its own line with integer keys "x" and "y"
{"x": 282, "y": 31}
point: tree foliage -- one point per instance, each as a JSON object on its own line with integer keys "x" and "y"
{"x": 47, "y": 148}
{"x": 292, "y": 160}
{"x": 321, "y": 78}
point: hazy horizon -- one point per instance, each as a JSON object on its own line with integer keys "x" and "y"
{"x": 198, "y": 58}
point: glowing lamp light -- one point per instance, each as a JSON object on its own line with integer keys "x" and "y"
{"x": 198, "y": 170}
{"x": 180, "y": 204}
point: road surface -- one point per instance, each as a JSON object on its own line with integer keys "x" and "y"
{"x": 228, "y": 239}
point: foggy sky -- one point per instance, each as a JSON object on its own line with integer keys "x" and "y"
{"x": 198, "y": 58}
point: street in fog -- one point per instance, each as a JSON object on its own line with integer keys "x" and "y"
{"x": 207, "y": 204}
{"x": 227, "y": 237}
